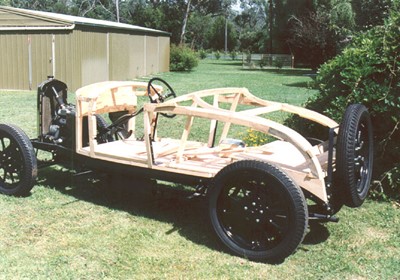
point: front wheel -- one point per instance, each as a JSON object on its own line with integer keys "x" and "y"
{"x": 18, "y": 165}
{"x": 257, "y": 211}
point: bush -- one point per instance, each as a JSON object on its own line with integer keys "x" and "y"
{"x": 202, "y": 54}
{"x": 233, "y": 55}
{"x": 182, "y": 58}
{"x": 254, "y": 138}
{"x": 264, "y": 61}
{"x": 217, "y": 55}
{"x": 367, "y": 72}
{"x": 278, "y": 63}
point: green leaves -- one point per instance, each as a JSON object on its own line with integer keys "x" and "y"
{"x": 368, "y": 72}
{"x": 183, "y": 58}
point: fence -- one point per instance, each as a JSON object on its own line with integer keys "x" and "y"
{"x": 254, "y": 61}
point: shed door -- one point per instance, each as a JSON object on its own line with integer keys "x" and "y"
{"x": 41, "y": 58}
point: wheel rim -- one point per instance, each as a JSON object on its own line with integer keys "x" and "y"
{"x": 253, "y": 212}
{"x": 11, "y": 167}
{"x": 361, "y": 157}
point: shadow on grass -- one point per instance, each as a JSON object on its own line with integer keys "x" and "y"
{"x": 309, "y": 85}
{"x": 285, "y": 71}
{"x": 224, "y": 63}
{"x": 318, "y": 233}
{"x": 149, "y": 199}
{"x": 139, "y": 197}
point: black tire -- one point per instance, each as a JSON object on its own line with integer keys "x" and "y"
{"x": 102, "y": 124}
{"x": 18, "y": 165}
{"x": 257, "y": 211}
{"x": 354, "y": 157}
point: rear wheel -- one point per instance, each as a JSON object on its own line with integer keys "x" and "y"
{"x": 257, "y": 211}
{"x": 18, "y": 166}
{"x": 354, "y": 156}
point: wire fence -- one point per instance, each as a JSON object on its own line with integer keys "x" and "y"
{"x": 254, "y": 61}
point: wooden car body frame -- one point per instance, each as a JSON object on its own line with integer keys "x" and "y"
{"x": 259, "y": 198}
{"x": 308, "y": 165}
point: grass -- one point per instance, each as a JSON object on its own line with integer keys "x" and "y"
{"x": 106, "y": 228}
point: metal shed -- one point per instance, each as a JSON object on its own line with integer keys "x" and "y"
{"x": 77, "y": 50}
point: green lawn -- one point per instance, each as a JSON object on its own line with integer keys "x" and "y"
{"x": 79, "y": 228}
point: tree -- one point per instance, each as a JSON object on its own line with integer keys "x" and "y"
{"x": 367, "y": 72}
{"x": 42, "y": 5}
{"x": 311, "y": 39}
{"x": 216, "y": 35}
{"x": 370, "y": 13}
{"x": 252, "y": 25}
{"x": 198, "y": 27}
{"x": 203, "y": 7}
{"x": 318, "y": 36}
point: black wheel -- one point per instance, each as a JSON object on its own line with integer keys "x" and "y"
{"x": 257, "y": 211}
{"x": 158, "y": 97}
{"x": 103, "y": 135}
{"x": 101, "y": 125}
{"x": 18, "y": 166}
{"x": 354, "y": 156}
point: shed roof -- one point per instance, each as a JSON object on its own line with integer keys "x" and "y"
{"x": 12, "y": 19}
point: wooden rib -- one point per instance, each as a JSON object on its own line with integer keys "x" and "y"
{"x": 262, "y": 110}
{"x": 227, "y": 125}
{"x": 185, "y": 135}
{"x": 147, "y": 132}
{"x": 260, "y": 124}
{"x": 92, "y": 123}
{"x": 213, "y": 124}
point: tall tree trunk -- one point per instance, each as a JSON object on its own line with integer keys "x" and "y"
{"x": 117, "y": 9}
{"x": 271, "y": 25}
{"x": 185, "y": 20}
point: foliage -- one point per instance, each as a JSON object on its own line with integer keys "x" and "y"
{"x": 233, "y": 55}
{"x": 202, "y": 54}
{"x": 259, "y": 27}
{"x": 264, "y": 61}
{"x": 217, "y": 55}
{"x": 370, "y": 13}
{"x": 278, "y": 63}
{"x": 315, "y": 36}
{"x": 182, "y": 58}
{"x": 368, "y": 72}
{"x": 216, "y": 35}
{"x": 248, "y": 57}
{"x": 254, "y": 138}
{"x": 197, "y": 31}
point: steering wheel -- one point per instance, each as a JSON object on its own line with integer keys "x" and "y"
{"x": 157, "y": 97}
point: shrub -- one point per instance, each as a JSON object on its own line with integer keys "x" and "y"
{"x": 248, "y": 58}
{"x": 264, "y": 61}
{"x": 182, "y": 58}
{"x": 233, "y": 55}
{"x": 255, "y": 138}
{"x": 367, "y": 72}
{"x": 217, "y": 55}
{"x": 202, "y": 54}
{"x": 278, "y": 63}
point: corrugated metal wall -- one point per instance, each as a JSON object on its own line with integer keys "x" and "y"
{"x": 124, "y": 65}
{"x": 79, "y": 57}
{"x": 13, "y": 61}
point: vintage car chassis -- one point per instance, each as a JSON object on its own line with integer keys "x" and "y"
{"x": 257, "y": 195}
